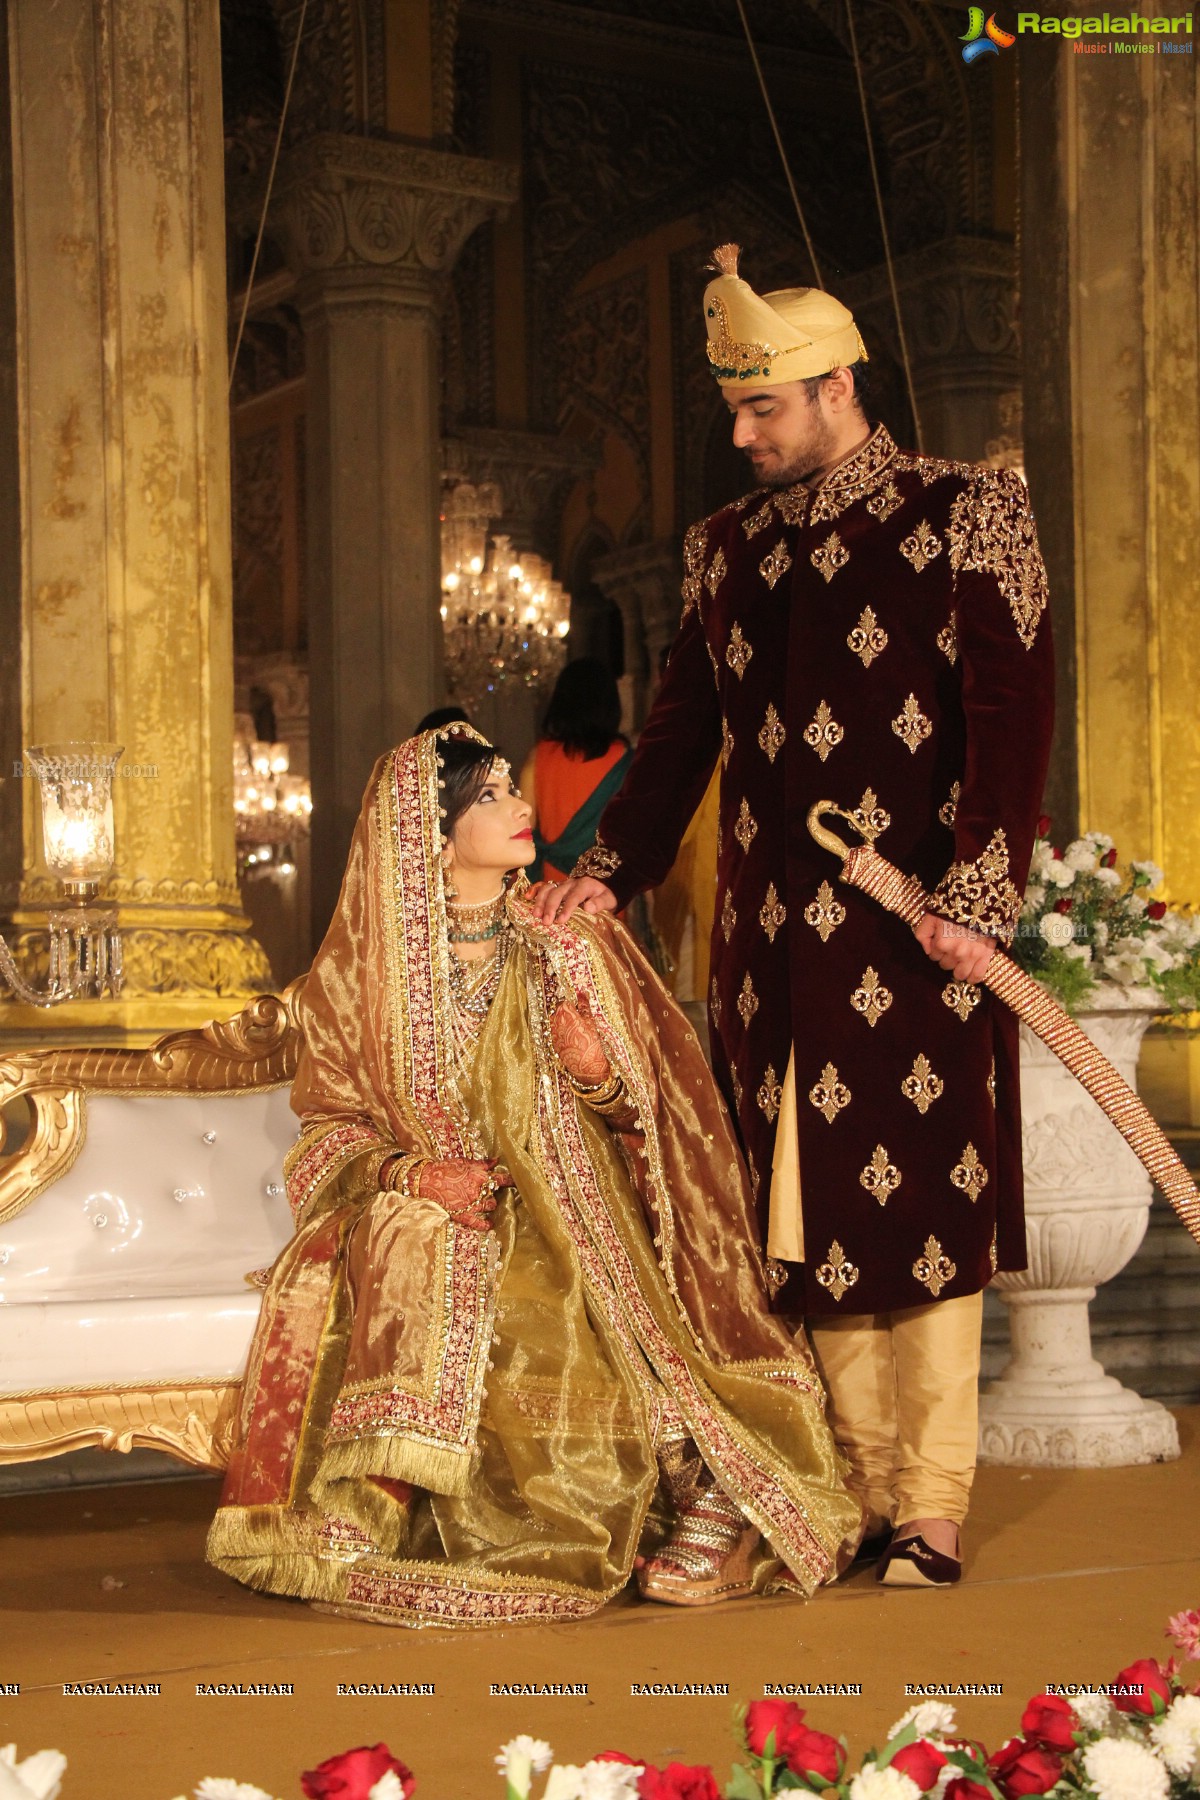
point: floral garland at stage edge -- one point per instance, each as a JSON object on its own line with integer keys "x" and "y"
{"x": 1084, "y": 927}
{"x": 1134, "y": 1738}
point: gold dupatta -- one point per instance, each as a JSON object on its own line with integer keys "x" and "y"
{"x": 443, "y": 1425}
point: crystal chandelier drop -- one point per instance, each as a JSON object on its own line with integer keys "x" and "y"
{"x": 271, "y": 808}
{"x": 504, "y": 615}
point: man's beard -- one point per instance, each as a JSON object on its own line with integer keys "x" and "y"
{"x": 803, "y": 465}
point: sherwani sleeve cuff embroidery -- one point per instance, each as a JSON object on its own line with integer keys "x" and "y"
{"x": 979, "y": 893}
{"x": 599, "y": 862}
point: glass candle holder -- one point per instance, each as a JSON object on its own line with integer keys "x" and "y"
{"x": 77, "y": 810}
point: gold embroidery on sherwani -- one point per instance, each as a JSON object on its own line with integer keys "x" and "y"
{"x": 726, "y": 743}
{"x": 776, "y": 1275}
{"x": 772, "y": 735}
{"x": 716, "y": 573}
{"x": 776, "y": 564}
{"x": 757, "y": 521}
{"x": 830, "y": 556}
{"x": 746, "y": 826}
{"x": 979, "y": 894}
{"x": 738, "y": 652}
{"x": 884, "y": 504}
{"x": 912, "y": 726}
{"x": 714, "y": 999}
{"x": 728, "y": 915}
{"x": 770, "y": 1093}
{"x": 695, "y": 542}
{"x": 823, "y": 733}
{"x": 735, "y": 1082}
{"x": 868, "y": 639}
{"x": 599, "y": 862}
{"x": 824, "y": 913}
{"x": 751, "y": 1165}
{"x": 871, "y": 999}
{"x": 921, "y": 545}
{"x": 934, "y": 1269}
{"x": 837, "y": 1274}
{"x": 870, "y": 819}
{"x": 932, "y": 468}
{"x": 881, "y": 1177}
{"x": 747, "y": 1000}
{"x": 970, "y": 1176}
{"x": 948, "y": 810}
{"x": 962, "y": 997}
{"x": 991, "y": 1082}
{"x": 947, "y": 640}
{"x": 993, "y": 1258}
{"x": 792, "y": 505}
{"x": 922, "y": 1086}
{"x": 857, "y": 476}
{"x": 991, "y": 531}
{"x": 772, "y": 913}
{"x": 829, "y": 1095}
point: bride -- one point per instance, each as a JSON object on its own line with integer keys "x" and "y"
{"x": 519, "y": 1346}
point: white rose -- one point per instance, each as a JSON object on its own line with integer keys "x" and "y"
{"x": 1092, "y": 1710}
{"x": 36, "y": 1777}
{"x": 932, "y": 1718}
{"x": 1081, "y": 855}
{"x": 1035, "y": 898}
{"x": 1177, "y": 1734}
{"x": 883, "y": 1784}
{"x": 1041, "y": 859}
{"x": 1120, "y": 1769}
{"x": 1060, "y": 874}
{"x": 1108, "y": 878}
{"x": 1057, "y": 930}
{"x": 609, "y": 1780}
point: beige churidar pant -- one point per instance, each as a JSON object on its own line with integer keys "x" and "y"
{"x": 903, "y": 1386}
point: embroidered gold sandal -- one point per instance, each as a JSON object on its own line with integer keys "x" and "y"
{"x": 708, "y": 1557}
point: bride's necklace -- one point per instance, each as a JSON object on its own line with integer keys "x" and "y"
{"x": 473, "y": 984}
{"x": 475, "y": 924}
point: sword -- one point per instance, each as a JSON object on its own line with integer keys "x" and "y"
{"x": 863, "y": 867}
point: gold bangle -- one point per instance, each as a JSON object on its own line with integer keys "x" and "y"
{"x": 604, "y": 1094}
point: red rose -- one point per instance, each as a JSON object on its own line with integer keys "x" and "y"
{"x": 1157, "y": 909}
{"x": 1056, "y": 853}
{"x": 1044, "y": 824}
{"x": 783, "y": 1717}
{"x": 963, "y": 1788}
{"x": 1109, "y": 859}
{"x": 1063, "y": 906}
{"x": 676, "y": 1782}
{"x": 353, "y": 1774}
{"x": 1049, "y": 1721}
{"x": 1022, "y": 1768}
{"x": 814, "y": 1753}
{"x": 920, "y": 1762}
{"x": 1148, "y": 1676}
{"x": 618, "y": 1756}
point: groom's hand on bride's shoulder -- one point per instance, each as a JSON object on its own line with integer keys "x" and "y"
{"x": 558, "y": 900}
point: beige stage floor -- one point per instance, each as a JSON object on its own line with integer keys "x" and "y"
{"x": 1071, "y": 1576}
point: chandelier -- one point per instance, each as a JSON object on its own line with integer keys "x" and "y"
{"x": 505, "y": 617}
{"x": 271, "y": 809}
{"x": 75, "y": 782}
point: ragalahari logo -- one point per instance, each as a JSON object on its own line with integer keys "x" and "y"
{"x": 983, "y": 37}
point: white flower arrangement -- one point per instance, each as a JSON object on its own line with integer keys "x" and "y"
{"x": 874, "y": 1783}
{"x": 36, "y": 1777}
{"x": 1123, "y": 1769}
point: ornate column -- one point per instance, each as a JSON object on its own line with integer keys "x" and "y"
{"x": 118, "y": 259}
{"x": 372, "y": 231}
{"x": 643, "y": 581}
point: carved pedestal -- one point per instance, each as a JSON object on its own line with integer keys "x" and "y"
{"x": 1087, "y": 1199}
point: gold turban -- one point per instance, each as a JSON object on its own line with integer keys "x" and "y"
{"x": 789, "y": 335}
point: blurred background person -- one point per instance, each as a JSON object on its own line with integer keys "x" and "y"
{"x": 576, "y": 766}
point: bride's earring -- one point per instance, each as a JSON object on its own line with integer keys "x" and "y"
{"x": 448, "y": 887}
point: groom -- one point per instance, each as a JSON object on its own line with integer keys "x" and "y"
{"x": 868, "y": 626}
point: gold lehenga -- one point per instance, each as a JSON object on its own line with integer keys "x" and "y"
{"x": 447, "y": 1426}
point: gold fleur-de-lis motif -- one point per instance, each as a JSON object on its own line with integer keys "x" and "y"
{"x": 962, "y": 997}
{"x": 772, "y": 913}
{"x": 735, "y": 1082}
{"x": 770, "y": 1093}
{"x": 823, "y": 733}
{"x": 747, "y": 1000}
{"x": 922, "y": 1086}
{"x": 991, "y": 1082}
{"x": 921, "y": 545}
{"x": 716, "y": 573}
{"x": 948, "y": 810}
{"x": 871, "y": 999}
{"x": 830, "y": 556}
{"x": 868, "y": 639}
{"x": 738, "y": 652}
{"x": 947, "y": 640}
{"x": 881, "y": 506}
{"x": 881, "y": 1177}
{"x": 911, "y": 725}
{"x": 870, "y": 818}
{"x": 776, "y": 564}
{"x": 837, "y": 1274}
{"x": 757, "y": 521}
{"x": 829, "y": 1095}
{"x": 969, "y": 1176}
{"x": 726, "y": 743}
{"x": 824, "y": 913}
{"x": 993, "y": 1258}
{"x": 934, "y": 1269}
{"x": 746, "y": 826}
{"x": 714, "y": 1000}
{"x": 772, "y": 735}
{"x": 728, "y": 915}
{"x": 792, "y": 504}
{"x": 776, "y": 1274}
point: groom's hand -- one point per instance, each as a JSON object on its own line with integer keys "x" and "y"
{"x": 559, "y": 901}
{"x": 963, "y": 953}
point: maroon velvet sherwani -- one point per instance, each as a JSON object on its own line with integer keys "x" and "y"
{"x": 880, "y": 641}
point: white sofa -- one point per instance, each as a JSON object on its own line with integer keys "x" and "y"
{"x": 145, "y": 1190}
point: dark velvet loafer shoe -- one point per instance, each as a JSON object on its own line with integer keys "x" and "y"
{"x": 910, "y": 1562}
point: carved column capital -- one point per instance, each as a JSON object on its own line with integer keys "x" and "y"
{"x": 385, "y": 215}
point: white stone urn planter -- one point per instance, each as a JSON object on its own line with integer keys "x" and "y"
{"x": 1087, "y": 1201}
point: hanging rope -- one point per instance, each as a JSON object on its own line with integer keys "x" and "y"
{"x": 262, "y": 223}
{"x": 883, "y": 230}
{"x": 787, "y": 168}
